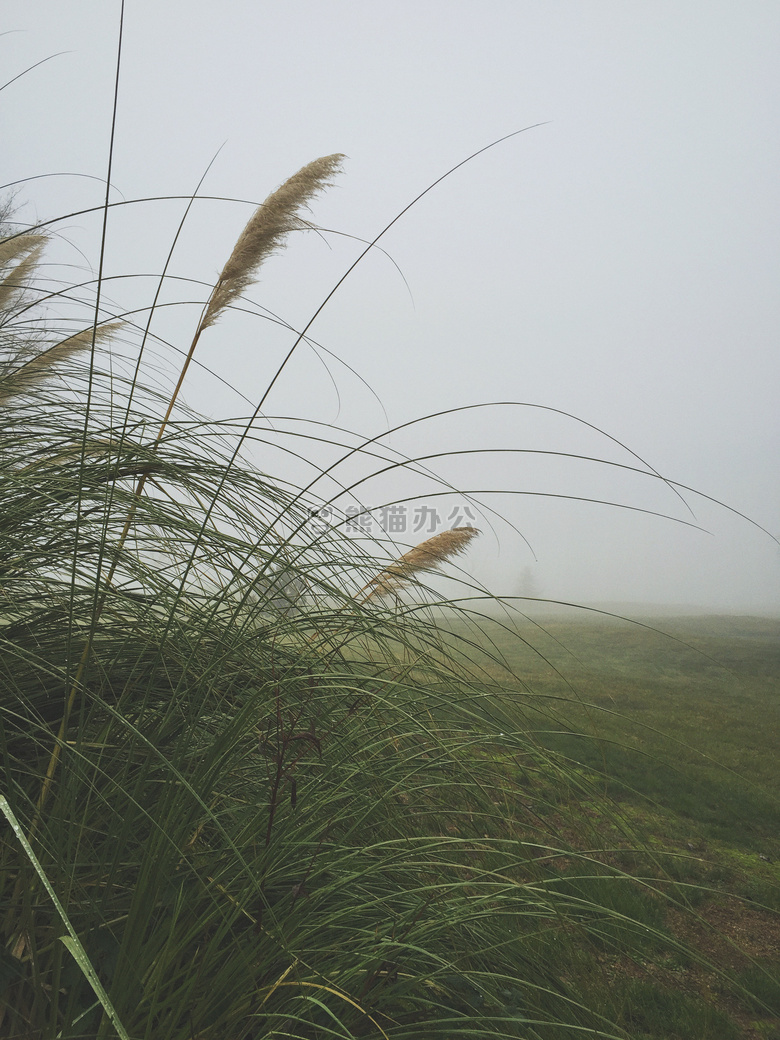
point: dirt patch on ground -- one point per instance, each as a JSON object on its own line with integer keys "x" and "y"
{"x": 728, "y": 932}
{"x": 728, "y": 935}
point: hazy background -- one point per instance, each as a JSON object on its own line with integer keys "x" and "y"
{"x": 619, "y": 263}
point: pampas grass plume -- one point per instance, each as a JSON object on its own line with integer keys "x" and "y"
{"x": 264, "y": 234}
{"x": 31, "y": 373}
{"x": 423, "y": 557}
{"x": 266, "y": 230}
{"x": 24, "y": 251}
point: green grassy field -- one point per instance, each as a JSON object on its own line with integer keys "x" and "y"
{"x": 679, "y": 717}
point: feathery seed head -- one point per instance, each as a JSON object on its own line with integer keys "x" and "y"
{"x": 32, "y": 372}
{"x": 15, "y": 282}
{"x": 423, "y": 557}
{"x": 19, "y": 256}
{"x": 266, "y": 231}
{"x": 14, "y": 247}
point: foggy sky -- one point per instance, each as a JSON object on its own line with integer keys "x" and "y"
{"x": 618, "y": 262}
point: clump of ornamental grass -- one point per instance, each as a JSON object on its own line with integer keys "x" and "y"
{"x": 247, "y": 795}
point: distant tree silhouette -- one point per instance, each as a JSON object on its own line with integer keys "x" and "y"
{"x": 527, "y": 584}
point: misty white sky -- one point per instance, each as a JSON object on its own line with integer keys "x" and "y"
{"x": 619, "y": 262}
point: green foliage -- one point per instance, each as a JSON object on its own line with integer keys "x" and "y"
{"x": 651, "y": 1011}
{"x": 762, "y": 981}
{"x": 257, "y": 805}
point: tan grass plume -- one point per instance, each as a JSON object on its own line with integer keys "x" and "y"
{"x": 30, "y": 374}
{"x": 263, "y": 235}
{"x": 14, "y": 247}
{"x": 266, "y": 230}
{"x": 24, "y": 251}
{"x": 423, "y": 557}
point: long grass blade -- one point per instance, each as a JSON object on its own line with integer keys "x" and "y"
{"x": 70, "y": 941}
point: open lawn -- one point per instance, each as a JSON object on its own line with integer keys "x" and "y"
{"x": 679, "y": 716}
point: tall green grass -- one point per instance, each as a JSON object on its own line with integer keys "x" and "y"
{"x": 246, "y": 791}
{"x": 246, "y": 797}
